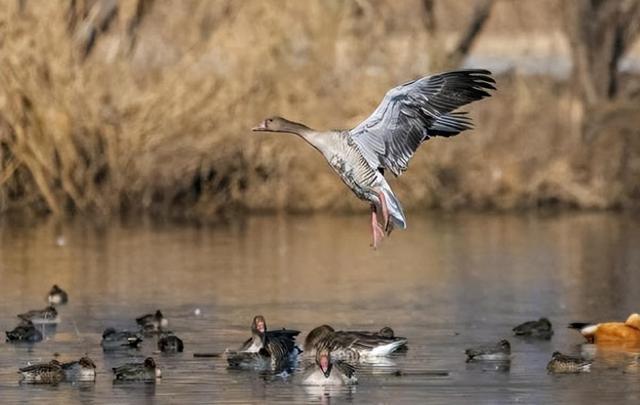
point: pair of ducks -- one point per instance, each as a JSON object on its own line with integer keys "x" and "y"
{"x": 26, "y": 331}
{"x": 622, "y": 334}
{"x": 84, "y": 370}
{"x": 150, "y": 325}
{"x": 333, "y": 351}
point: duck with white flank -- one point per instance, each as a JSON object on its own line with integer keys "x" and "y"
{"x": 113, "y": 339}
{"x": 25, "y": 332}
{"x": 540, "y": 329}
{"x": 170, "y": 343}
{"x": 327, "y": 371}
{"x": 500, "y": 351}
{"x": 57, "y": 296}
{"x": 81, "y": 370}
{"x": 562, "y": 364}
{"x": 43, "y": 373}
{"x": 47, "y": 316}
{"x": 343, "y": 344}
{"x": 407, "y": 116}
{"x": 266, "y": 349}
{"x": 145, "y": 371}
{"x": 152, "y": 323}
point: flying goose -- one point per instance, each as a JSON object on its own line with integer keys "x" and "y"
{"x": 408, "y": 115}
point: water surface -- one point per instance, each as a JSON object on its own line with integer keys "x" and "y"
{"x": 447, "y": 282}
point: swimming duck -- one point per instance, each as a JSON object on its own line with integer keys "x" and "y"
{"x": 343, "y": 343}
{"x": 24, "y": 332}
{"x": 83, "y": 369}
{"x": 561, "y": 363}
{"x": 49, "y": 315}
{"x": 113, "y": 339}
{"x": 170, "y": 343}
{"x": 145, "y": 371}
{"x": 266, "y": 349}
{"x": 43, "y": 373}
{"x": 539, "y": 329}
{"x": 500, "y": 351}
{"x": 327, "y": 371}
{"x": 57, "y": 296}
{"x": 152, "y": 323}
{"x": 408, "y": 115}
{"x": 625, "y": 333}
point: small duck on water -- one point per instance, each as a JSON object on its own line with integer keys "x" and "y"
{"x": 43, "y": 373}
{"x": 25, "y": 332}
{"x": 47, "y": 316}
{"x": 113, "y": 339}
{"x": 81, "y": 370}
{"x": 57, "y": 296}
{"x": 145, "y": 371}
{"x": 152, "y": 323}
{"x": 326, "y": 371}
{"x": 170, "y": 343}
{"x": 540, "y": 329}
{"x": 563, "y": 364}
{"x": 500, "y": 351}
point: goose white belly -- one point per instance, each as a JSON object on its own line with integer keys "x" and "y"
{"x": 316, "y": 377}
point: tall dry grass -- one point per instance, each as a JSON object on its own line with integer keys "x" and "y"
{"x": 155, "y": 119}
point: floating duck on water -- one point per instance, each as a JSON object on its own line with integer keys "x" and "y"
{"x": 625, "y": 333}
{"x": 541, "y": 329}
{"x": 170, "y": 343}
{"x": 42, "y": 373}
{"x": 500, "y": 351}
{"x": 81, "y": 370}
{"x": 113, "y": 339}
{"x": 561, "y": 363}
{"x": 408, "y": 115}
{"x": 342, "y": 344}
{"x": 327, "y": 371}
{"x": 47, "y": 316}
{"x": 266, "y": 349}
{"x": 152, "y": 323}
{"x": 145, "y": 371}
{"x": 57, "y": 296}
{"x": 25, "y": 332}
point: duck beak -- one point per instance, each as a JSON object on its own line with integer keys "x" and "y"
{"x": 260, "y": 127}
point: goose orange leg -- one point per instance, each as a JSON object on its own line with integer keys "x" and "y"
{"x": 376, "y": 230}
{"x": 385, "y": 212}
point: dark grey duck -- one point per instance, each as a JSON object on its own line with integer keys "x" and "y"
{"x": 540, "y": 329}
{"x": 500, "y": 351}
{"x": 25, "y": 332}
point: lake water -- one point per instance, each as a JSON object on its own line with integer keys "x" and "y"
{"x": 448, "y": 282}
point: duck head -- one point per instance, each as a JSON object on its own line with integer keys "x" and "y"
{"x": 504, "y": 345}
{"x": 633, "y": 320}
{"x": 86, "y": 362}
{"x": 323, "y": 360}
{"x": 386, "y": 332}
{"x": 279, "y": 124}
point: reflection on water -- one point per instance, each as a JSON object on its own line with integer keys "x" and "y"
{"x": 447, "y": 283}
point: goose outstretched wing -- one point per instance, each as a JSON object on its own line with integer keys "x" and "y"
{"x": 412, "y": 112}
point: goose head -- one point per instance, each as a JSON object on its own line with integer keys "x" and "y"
{"x": 316, "y": 336}
{"x": 279, "y": 124}
{"x": 259, "y": 328}
{"x": 323, "y": 360}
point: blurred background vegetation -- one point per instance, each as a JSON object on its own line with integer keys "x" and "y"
{"x": 143, "y": 106}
